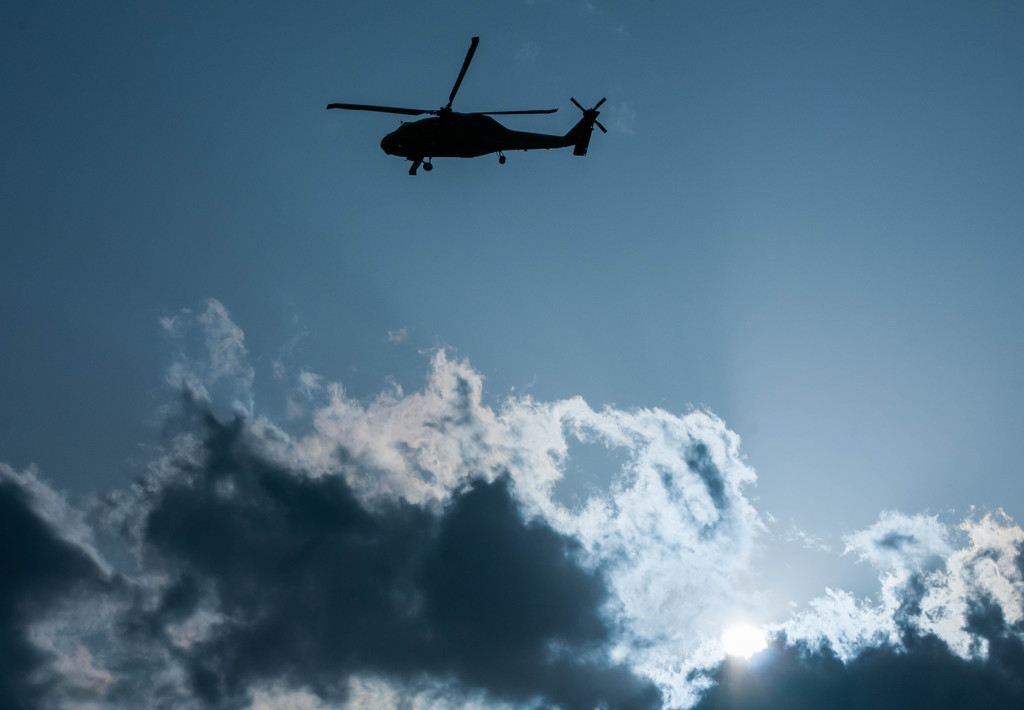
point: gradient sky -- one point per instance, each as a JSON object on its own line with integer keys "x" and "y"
{"x": 806, "y": 219}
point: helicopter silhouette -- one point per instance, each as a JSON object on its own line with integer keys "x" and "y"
{"x": 450, "y": 134}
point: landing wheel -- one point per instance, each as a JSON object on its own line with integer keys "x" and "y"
{"x": 501, "y": 159}
{"x": 428, "y": 166}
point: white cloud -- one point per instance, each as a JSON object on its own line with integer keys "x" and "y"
{"x": 842, "y": 621}
{"x": 901, "y": 543}
{"x": 397, "y": 336}
{"x": 927, "y": 584}
{"x": 805, "y": 539}
{"x": 986, "y": 568}
{"x": 420, "y": 446}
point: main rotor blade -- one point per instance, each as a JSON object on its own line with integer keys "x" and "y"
{"x": 381, "y": 109}
{"x": 465, "y": 65}
{"x": 509, "y": 113}
{"x": 595, "y": 107}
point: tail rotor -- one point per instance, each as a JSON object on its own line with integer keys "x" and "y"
{"x": 585, "y": 127}
{"x": 592, "y": 111}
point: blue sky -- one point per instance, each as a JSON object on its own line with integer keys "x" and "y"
{"x": 805, "y": 219}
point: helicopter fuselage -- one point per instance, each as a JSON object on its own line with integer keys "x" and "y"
{"x": 468, "y": 135}
{"x": 459, "y": 135}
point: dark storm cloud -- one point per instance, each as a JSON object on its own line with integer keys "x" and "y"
{"x": 986, "y": 620}
{"x": 311, "y": 587}
{"x": 499, "y": 592}
{"x": 924, "y": 674}
{"x": 39, "y": 571}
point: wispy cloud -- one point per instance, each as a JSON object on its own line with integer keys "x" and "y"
{"x": 807, "y": 540}
{"x": 527, "y": 52}
{"x": 397, "y": 336}
{"x": 216, "y": 358}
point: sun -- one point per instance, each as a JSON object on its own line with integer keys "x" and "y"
{"x": 744, "y": 640}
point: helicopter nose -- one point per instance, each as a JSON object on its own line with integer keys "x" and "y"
{"x": 389, "y": 144}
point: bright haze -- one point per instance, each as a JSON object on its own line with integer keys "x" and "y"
{"x": 724, "y": 414}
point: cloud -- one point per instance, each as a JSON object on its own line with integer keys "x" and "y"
{"x": 218, "y": 360}
{"x": 527, "y": 52}
{"x": 924, "y": 674}
{"x": 397, "y": 336}
{"x": 674, "y": 534}
{"x": 946, "y": 630}
{"x": 46, "y": 568}
{"x": 659, "y": 558}
{"x": 310, "y": 587}
{"x": 806, "y": 540}
{"x": 409, "y": 551}
{"x": 902, "y": 544}
{"x": 929, "y": 586}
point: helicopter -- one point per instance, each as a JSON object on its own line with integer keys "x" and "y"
{"x": 451, "y": 134}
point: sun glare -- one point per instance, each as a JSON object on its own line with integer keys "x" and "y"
{"x": 744, "y": 640}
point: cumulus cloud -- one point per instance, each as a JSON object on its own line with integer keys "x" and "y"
{"x": 311, "y": 587}
{"x": 928, "y": 584}
{"x": 674, "y": 535}
{"x": 902, "y": 544}
{"x": 660, "y": 557}
{"x": 409, "y": 551}
{"x": 946, "y": 629}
